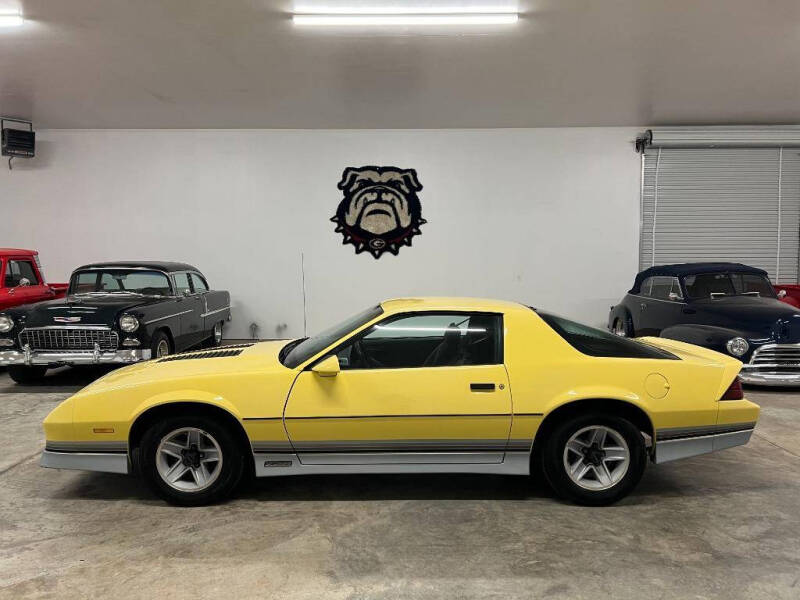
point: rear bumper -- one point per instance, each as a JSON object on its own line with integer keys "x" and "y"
{"x": 676, "y": 443}
{"x": 104, "y": 462}
{"x": 77, "y": 357}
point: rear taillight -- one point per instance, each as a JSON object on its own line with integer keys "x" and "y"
{"x": 734, "y": 391}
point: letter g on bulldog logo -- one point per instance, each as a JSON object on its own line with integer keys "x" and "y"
{"x": 380, "y": 210}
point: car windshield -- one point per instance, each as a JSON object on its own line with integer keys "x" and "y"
{"x": 120, "y": 281}
{"x": 719, "y": 285}
{"x": 305, "y": 349}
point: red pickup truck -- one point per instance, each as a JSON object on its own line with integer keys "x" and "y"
{"x": 22, "y": 280}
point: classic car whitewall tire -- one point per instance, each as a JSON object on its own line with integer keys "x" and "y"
{"x": 160, "y": 345}
{"x": 191, "y": 461}
{"x": 622, "y": 327}
{"x": 594, "y": 459}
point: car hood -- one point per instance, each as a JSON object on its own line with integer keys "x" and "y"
{"x": 82, "y": 309}
{"x": 757, "y": 316}
{"x": 196, "y": 368}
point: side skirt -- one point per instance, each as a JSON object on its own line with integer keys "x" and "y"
{"x": 271, "y": 465}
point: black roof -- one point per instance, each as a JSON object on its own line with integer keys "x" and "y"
{"x": 682, "y": 269}
{"x": 149, "y": 264}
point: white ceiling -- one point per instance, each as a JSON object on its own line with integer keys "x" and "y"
{"x": 243, "y": 64}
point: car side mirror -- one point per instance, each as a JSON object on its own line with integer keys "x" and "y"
{"x": 24, "y": 282}
{"x": 781, "y": 294}
{"x": 187, "y": 292}
{"x": 675, "y": 297}
{"x": 328, "y": 367}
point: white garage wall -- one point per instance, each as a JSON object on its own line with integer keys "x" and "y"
{"x": 549, "y": 217}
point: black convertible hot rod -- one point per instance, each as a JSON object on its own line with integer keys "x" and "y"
{"x": 727, "y": 307}
{"x": 118, "y": 312}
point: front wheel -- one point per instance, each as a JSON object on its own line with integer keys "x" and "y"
{"x": 191, "y": 461}
{"x": 160, "y": 345}
{"x": 27, "y": 375}
{"x": 594, "y": 459}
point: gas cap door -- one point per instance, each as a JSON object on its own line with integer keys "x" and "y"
{"x": 656, "y": 385}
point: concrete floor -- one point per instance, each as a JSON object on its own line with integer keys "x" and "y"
{"x": 721, "y": 526}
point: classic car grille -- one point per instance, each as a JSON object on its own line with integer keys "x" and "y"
{"x": 64, "y": 338}
{"x": 776, "y": 356}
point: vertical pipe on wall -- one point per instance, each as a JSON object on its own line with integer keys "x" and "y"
{"x": 655, "y": 207}
{"x": 780, "y": 186}
{"x": 303, "y": 282}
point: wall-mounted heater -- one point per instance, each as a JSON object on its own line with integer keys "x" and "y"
{"x": 16, "y": 142}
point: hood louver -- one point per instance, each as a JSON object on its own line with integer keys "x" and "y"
{"x": 193, "y": 355}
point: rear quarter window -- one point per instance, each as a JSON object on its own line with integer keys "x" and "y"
{"x": 596, "y": 342}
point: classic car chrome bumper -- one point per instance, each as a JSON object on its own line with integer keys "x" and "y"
{"x": 773, "y": 364}
{"x": 105, "y": 462}
{"x": 72, "y": 357}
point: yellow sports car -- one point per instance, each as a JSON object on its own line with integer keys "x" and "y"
{"x": 418, "y": 385}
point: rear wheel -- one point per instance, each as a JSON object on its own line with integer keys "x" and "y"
{"x": 191, "y": 461}
{"x": 216, "y": 336}
{"x": 594, "y": 459}
{"x": 27, "y": 375}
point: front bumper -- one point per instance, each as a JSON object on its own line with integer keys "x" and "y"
{"x": 104, "y": 462}
{"x": 759, "y": 377}
{"x": 75, "y": 357}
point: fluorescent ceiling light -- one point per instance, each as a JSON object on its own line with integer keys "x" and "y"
{"x": 405, "y": 10}
{"x": 454, "y": 18}
{"x": 10, "y": 19}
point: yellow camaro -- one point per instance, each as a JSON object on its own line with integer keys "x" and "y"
{"x": 428, "y": 385}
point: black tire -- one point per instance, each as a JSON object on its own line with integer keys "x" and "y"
{"x": 157, "y": 344}
{"x": 27, "y": 375}
{"x": 555, "y": 470}
{"x": 623, "y": 324}
{"x": 230, "y": 471}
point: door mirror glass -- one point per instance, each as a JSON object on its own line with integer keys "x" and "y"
{"x": 675, "y": 297}
{"x": 24, "y": 282}
{"x": 187, "y": 292}
{"x": 328, "y": 367}
{"x": 782, "y": 294}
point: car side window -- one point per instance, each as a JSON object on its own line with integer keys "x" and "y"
{"x": 426, "y": 340}
{"x": 182, "y": 284}
{"x": 198, "y": 283}
{"x": 665, "y": 288}
{"x": 646, "y": 287}
{"x": 17, "y": 270}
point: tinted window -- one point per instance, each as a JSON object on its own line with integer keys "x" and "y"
{"x": 596, "y": 342}
{"x": 198, "y": 283}
{"x": 426, "y": 340}
{"x": 150, "y": 283}
{"x": 299, "y": 351}
{"x": 182, "y": 283}
{"x": 646, "y": 287}
{"x": 16, "y": 270}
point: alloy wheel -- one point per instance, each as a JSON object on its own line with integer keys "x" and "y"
{"x": 596, "y": 458}
{"x": 189, "y": 459}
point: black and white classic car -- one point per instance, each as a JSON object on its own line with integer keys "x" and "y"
{"x": 114, "y": 313}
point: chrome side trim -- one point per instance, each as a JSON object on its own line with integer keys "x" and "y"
{"x": 167, "y": 317}
{"x": 270, "y": 465}
{"x": 213, "y": 312}
{"x": 86, "y": 461}
{"x": 674, "y": 449}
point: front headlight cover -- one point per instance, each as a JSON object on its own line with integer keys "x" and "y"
{"x": 6, "y": 323}
{"x": 128, "y": 323}
{"x": 737, "y": 346}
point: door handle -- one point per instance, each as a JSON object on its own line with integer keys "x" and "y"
{"x": 481, "y": 387}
